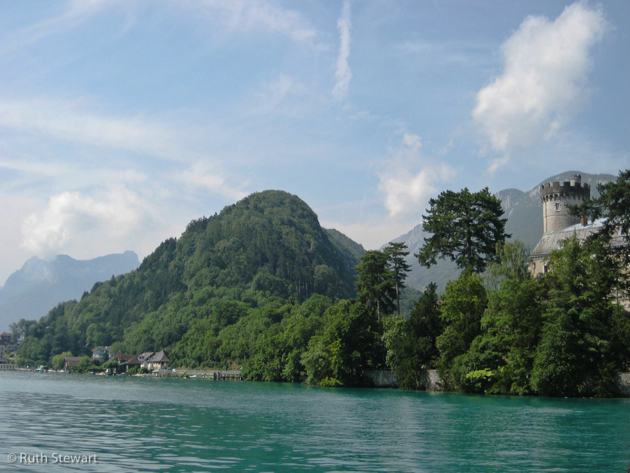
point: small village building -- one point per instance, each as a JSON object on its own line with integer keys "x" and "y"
{"x": 5, "y": 364}
{"x": 70, "y": 362}
{"x": 130, "y": 362}
{"x": 6, "y": 344}
{"x": 154, "y": 360}
{"x": 99, "y": 352}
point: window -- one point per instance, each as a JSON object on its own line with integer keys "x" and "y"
{"x": 557, "y": 206}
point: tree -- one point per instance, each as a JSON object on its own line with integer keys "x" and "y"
{"x": 462, "y": 308}
{"x": 411, "y": 344}
{"x": 465, "y": 227}
{"x": 576, "y": 354}
{"x": 111, "y": 365}
{"x": 19, "y": 329}
{"x": 512, "y": 263}
{"x": 396, "y": 258}
{"x": 347, "y": 346}
{"x": 500, "y": 360}
{"x": 59, "y": 360}
{"x": 613, "y": 206}
{"x": 375, "y": 282}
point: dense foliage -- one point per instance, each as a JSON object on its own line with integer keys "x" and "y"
{"x": 613, "y": 208}
{"x": 261, "y": 286}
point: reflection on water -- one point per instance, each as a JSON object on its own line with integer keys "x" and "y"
{"x": 143, "y": 424}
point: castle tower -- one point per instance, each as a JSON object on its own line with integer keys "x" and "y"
{"x": 556, "y": 196}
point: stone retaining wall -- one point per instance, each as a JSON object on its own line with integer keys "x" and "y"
{"x": 430, "y": 381}
{"x": 623, "y": 384}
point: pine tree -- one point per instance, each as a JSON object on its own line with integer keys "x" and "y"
{"x": 466, "y": 227}
{"x": 396, "y": 258}
{"x": 375, "y": 282}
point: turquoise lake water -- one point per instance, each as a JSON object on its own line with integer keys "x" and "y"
{"x": 154, "y": 424}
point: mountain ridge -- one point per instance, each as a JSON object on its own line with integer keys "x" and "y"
{"x": 30, "y": 292}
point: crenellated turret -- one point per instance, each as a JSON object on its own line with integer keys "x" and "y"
{"x": 556, "y": 196}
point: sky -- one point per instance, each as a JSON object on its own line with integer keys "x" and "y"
{"x": 123, "y": 120}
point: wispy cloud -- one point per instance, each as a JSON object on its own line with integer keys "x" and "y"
{"x": 276, "y": 96}
{"x": 149, "y": 140}
{"x": 448, "y": 52}
{"x": 206, "y": 176}
{"x": 409, "y": 181}
{"x": 343, "y": 74}
{"x": 71, "y": 15}
{"x": 71, "y": 121}
{"x": 544, "y": 82}
{"x": 251, "y": 15}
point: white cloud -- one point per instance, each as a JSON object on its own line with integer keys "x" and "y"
{"x": 73, "y": 219}
{"x": 247, "y": 15}
{"x": 343, "y": 74}
{"x": 544, "y": 81}
{"x": 407, "y": 190}
{"x": 204, "y": 175}
{"x": 498, "y": 163}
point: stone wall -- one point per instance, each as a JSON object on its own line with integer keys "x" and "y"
{"x": 429, "y": 380}
{"x": 382, "y": 378}
{"x": 623, "y": 384}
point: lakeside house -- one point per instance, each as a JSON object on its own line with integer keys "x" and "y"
{"x": 128, "y": 361}
{"x": 99, "y": 352}
{"x": 71, "y": 362}
{"x": 5, "y": 364}
{"x": 6, "y": 344}
{"x": 154, "y": 360}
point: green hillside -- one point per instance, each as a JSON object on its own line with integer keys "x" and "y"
{"x": 267, "y": 247}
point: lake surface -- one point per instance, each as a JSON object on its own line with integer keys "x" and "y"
{"x": 155, "y": 424}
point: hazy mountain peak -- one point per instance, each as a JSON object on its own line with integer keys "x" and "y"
{"x": 40, "y": 284}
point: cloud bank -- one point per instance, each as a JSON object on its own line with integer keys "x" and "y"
{"x": 544, "y": 81}
{"x": 72, "y": 218}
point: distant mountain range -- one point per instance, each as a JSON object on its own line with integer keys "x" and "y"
{"x": 40, "y": 285}
{"x": 524, "y": 213}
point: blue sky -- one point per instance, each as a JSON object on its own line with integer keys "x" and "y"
{"x": 121, "y": 121}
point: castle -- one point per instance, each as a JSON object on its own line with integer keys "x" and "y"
{"x": 558, "y": 225}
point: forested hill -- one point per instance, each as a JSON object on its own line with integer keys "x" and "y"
{"x": 268, "y": 245}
